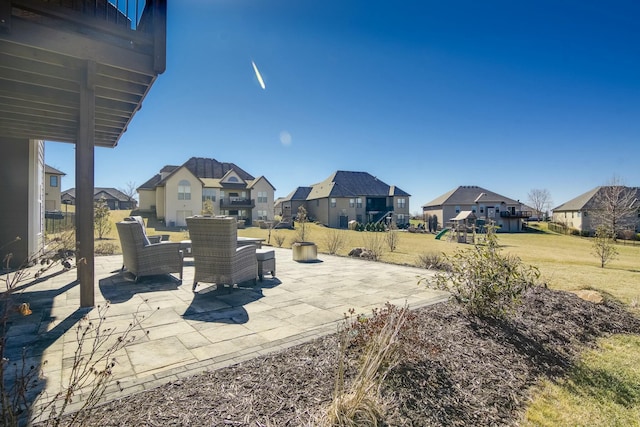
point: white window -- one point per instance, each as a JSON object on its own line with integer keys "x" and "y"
{"x": 358, "y": 202}
{"x": 457, "y": 209}
{"x": 352, "y": 203}
{"x": 262, "y": 215}
{"x": 333, "y": 202}
{"x": 184, "y": 190}
{"x": 53, "y": 181}
{"x": 402, "y": 203}
{"x": 209, "y": 194}
{"x": 262, "y": 197}
{"x": 401, "y": 219}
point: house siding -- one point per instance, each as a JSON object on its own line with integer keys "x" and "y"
{"x": 178, "y": 210}
{"x": 147, "y": 199}
{"x": 52, "y": 194}
{"x": 263, "y": 185}
{"x": 19, "y": 163}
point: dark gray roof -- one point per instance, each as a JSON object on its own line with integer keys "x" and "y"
{"x": 352, "y": 184}
{"x": 152, "y": 183}
{"x": 468, "y": 194}
{"x": 211, "y": 168}
{"x": 299, "y": 193}
{"x": 113, "y": 192}
{"x": 200, "y": 167}
{"x": 52, "y": 170}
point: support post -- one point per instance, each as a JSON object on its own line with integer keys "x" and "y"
{"x": 84, "y": 187}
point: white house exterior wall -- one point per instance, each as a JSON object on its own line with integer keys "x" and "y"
{"x": 161, "y": 209}
{"x": 147, "y": 199}
{"x": 177, "y": 210}
{"x": 263, "y": 185}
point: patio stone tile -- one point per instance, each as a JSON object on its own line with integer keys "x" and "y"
{"x": 192, "y": 332}
{"x": 156, "y": 354}
{"x": 280, "y": 332}
{"x": 219, "y": 332}
{"x": 193, "y": 340}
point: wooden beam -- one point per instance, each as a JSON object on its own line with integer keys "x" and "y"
{"x": 78, "y": 46}
{"x": 84, "y": 188}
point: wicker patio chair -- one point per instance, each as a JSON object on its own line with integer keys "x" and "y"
{"x": 142, "y": 258}
{"x": 217, "y": 258}
{"x": 157, "y": 238}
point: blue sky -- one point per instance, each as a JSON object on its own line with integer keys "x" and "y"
{"x": 426, "y": 95}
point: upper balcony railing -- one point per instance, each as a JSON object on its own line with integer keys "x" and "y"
{"x": 133, "y": 24}
{"x": 237, "y": 202}
{"x": 127, "y": 13}
{"x": 516, "y": 214}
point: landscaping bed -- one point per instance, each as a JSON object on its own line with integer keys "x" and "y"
{"x": 457, "y": 370}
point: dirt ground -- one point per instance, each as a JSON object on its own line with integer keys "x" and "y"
{"x": 456, "y": 371}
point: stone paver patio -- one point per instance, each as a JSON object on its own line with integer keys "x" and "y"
{"x": 188, "y": 332}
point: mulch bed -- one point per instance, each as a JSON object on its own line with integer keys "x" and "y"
{"x": 459, "y": 371}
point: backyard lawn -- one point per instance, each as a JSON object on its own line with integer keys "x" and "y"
{"x": 601, "y": 389}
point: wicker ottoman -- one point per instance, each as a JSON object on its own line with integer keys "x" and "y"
{"x": 266, "y": 262}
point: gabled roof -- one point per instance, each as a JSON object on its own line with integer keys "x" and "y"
{"x": 580, "y": 202}
{"x": 467, "y": 195}
{"x": 52, "y": 170}
{"x": 211, "y": 168}
{"x": 201, "y": 168}
{"x": 151, "y": 184}
{"x": 299, "y": 193}
{"x": 113, "y": 192}
{"x": 252, "y": 183}
{"x": 353, "y": 184}
{"x": 587, "y": 200}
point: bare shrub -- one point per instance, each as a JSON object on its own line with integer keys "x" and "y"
{"x": 92, "y": 361}
{"x": 392, "y": 237}
{"x": 279, "y": 238}
{"x": 361, "y": 404}
{"x": 485, "y": 282}
{"x": 105, "y": 248}
{"x": 335, "y": 240}
{"x": 604, "y": 245}
{"x": 374, "y": 243}
{"x": 433, "y": 261}
{"x": 92, "y": 369}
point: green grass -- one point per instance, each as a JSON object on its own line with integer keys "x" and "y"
{"x": 602, "y": 390}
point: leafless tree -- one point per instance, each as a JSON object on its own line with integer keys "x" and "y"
{"x": 616, "y": 207}
{"x": 603, "y": 246}
{"x": 129, "y": 190}
{"x": 540, "y": 200}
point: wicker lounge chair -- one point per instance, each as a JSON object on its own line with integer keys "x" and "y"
{"x": 142, "y": 258}
{"x": 157, "y": 238}
{"x": 216, "y": 255}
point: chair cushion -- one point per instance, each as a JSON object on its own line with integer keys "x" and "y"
{"x": 265, "y": 254}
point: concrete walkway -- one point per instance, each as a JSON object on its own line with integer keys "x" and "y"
{"x": 185, "y": 333}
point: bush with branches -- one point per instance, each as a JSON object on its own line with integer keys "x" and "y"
{"x": 335, "y": 240}
{"x": 485, "y": 282}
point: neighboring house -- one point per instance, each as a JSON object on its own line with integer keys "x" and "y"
{"x": 507, "y": 214}
{"x": 578, "y": 213}
{"x": 116, "y": 199}
{"x": 345, "y": 196}
{"x": 178, "y": 192}
{"x": 52, "y": 183}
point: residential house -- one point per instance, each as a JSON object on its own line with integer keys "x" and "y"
{"x": 178, "y": 192}
{"x": 73, "y": 72}
{"x": 581, "y": 213}
{"x": 116, "y": 199}
{"x": 506, "y": 213}
{"x": 346, "y": 196}
{"x": 52, "y": 182}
